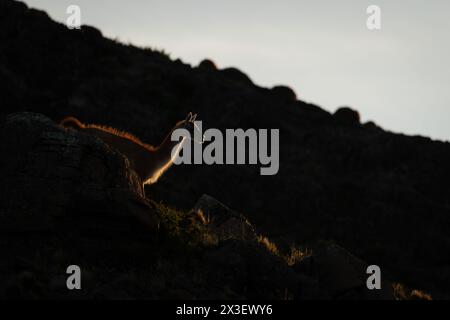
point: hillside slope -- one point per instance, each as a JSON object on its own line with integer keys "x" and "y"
{"x": 384, "y": 196}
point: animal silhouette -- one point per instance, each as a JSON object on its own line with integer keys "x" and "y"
{"x": 148, "y": 161}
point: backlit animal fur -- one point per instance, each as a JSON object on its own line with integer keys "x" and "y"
{"x": 148, "y": 161}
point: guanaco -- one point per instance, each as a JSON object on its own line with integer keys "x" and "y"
{"x": 148, "y": 161}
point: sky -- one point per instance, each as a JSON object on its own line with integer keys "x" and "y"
{"x": 398, "y": 76}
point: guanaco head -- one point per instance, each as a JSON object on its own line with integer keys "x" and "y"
{"x": 190, "y": 125}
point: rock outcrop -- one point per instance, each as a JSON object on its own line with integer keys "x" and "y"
{"x": 347, "y": 116}
{"x": 341, "y": 275}
{"x": 48, "y": 172}
{"x": 221, "y": 222}
{"x": 284, "y": 93}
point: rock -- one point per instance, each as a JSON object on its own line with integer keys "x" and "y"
{"x": 92, "y": 33}
{"x": 236, "y": 75}
{"x": 66, "y": 198}
{"x": 341, "y": 275}
{"x": 58, "y": 283}
{"x": 48, "y": 173}
{"x": 249, "y": 269}
{"x": 222, "y": 222}
{"x": 371, "y": 126}
{"x": 347, "y": 116}
{"x": 207, "y": 65}
{"x": 14, "y": 8}
{"x": 284, "y": 93}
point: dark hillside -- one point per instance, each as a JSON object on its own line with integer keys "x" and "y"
{"x": 383, "y": 196}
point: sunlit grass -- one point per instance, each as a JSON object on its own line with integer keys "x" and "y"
{"x": 295, "y": 254}
{"x": 403, "y": 293}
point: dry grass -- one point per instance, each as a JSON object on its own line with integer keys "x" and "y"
{"x": 403, "y": 293}
{"x": 294, "y": 256}
{"x": 269, "y": 245}
{"x": 420, "y": 295}
{"x": 204, "y": 219}
{"x": 399, "y": 291}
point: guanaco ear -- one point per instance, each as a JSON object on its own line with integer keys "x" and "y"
{"x": 194, "y": 117}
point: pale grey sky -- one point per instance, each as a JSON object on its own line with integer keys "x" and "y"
{"x": 398, "y": 76}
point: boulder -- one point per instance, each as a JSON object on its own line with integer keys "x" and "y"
{"x": 48, "y": 173}
{"x": 207, "y": 65}
{"x": 67, "y": 198}
{"x": 91, "y": 33}
{"x": 341, "y": 275}
{"x": 347, "y": 116}
{"x": 222, "y": 222}
{"x": 236, "y": 75}
{"x": 284, "y": 93}
{"x": 249, "y": 269}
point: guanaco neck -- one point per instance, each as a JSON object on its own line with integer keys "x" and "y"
{"x": 162, "y": 157}
{"x": 167, "y": 147}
